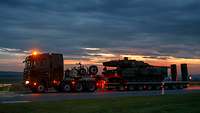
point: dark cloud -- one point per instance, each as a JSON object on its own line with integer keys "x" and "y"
{"x": 155, "y": 28}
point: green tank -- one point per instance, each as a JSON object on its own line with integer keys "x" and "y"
{"x": 132, "y": 70}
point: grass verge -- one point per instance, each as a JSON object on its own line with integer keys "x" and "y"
{"x": 14, "y": 87}
{"x": 187, "y": 103}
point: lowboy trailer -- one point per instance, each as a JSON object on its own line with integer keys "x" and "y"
{"x": 137, "y": 75}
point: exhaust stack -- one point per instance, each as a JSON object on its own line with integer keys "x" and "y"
{"x": 184, "y": 72}
{"x": 174, "y": 72}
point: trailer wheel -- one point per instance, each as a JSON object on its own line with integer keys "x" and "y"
{"x": 174, "y": 87}
{"x": 180, "y": 87}
{"x": 41, "y": 88}
{"x": 166, "y": 87}
{"x": 79, "y": 87}
{"x": 66, "y": 87}
{"x": 131, "y": 88}
{"x": 149, "y": 87}
{"x": 120, "y": 88}
{"x": 157, "y": 87}
{"x": 91, "y": 87}
{"x": 140, "y": 87}
{"x": 184, "y": 86}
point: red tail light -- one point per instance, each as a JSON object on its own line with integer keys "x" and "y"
{"x": 73, "y": 82}
{"x": 101, "y": 84}
{"x": 34, "y": 83}
{"x": 97, "y": 84}
{"x": 55, "y": 82}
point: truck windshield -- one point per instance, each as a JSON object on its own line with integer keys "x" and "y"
{"x": 27, "y": 68}
{"x": 29, "y": 62}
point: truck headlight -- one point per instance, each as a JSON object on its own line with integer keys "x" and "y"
{"x": 27, "y": 82}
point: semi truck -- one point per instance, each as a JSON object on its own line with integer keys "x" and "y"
{"x": 46, "y": 70}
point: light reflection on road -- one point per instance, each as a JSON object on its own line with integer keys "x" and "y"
{"x": 193, "y": 88}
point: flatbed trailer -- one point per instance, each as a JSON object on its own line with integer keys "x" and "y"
{"x": 136, "y": 75}
{"x": 131, "y": 86}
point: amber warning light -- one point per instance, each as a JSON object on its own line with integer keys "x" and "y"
{"x": 34, "y": 53}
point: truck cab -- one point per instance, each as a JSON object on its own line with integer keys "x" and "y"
{"x": 43, "y": 70}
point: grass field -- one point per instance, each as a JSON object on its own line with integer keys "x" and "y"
{"x": 187, "y": 103}
{"x": 13, "y": 87}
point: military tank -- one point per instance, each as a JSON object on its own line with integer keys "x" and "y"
{"x": 132, "y": 74}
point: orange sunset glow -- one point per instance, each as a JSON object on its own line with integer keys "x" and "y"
{"x": 193, "y": 64}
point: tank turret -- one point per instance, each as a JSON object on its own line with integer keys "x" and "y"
{"x": 125, "y": 63}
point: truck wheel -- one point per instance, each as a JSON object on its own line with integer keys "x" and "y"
{"x": 109, "y": 89}
{"x": 58, "y": 88}
{"x": 79, "y": 87}
{"x": 40, "y": 88}
{"x": 93, "y": 70}
{"x": 82, "y": 71}
{"x": 66, "y": 87}
{"x": 91, "y": 87}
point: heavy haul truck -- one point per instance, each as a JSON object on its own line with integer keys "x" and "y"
{"x": 44, "y": 71}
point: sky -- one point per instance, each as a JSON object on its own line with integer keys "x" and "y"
{"x": 160, "y": 32}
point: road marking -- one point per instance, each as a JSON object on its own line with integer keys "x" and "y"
{"x": 5, "y": 85}
{"x": 12, "y": 102}
{"x": 10, "y": 94}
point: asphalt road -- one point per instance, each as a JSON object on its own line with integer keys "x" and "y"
{"x": 53, "y": 96}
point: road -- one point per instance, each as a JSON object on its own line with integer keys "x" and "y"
{"x": 53, "y": 96}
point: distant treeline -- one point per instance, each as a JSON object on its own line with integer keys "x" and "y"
{"x": 10, "y": 77}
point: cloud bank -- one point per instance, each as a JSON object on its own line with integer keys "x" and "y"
{"x": 93, "y": 30}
